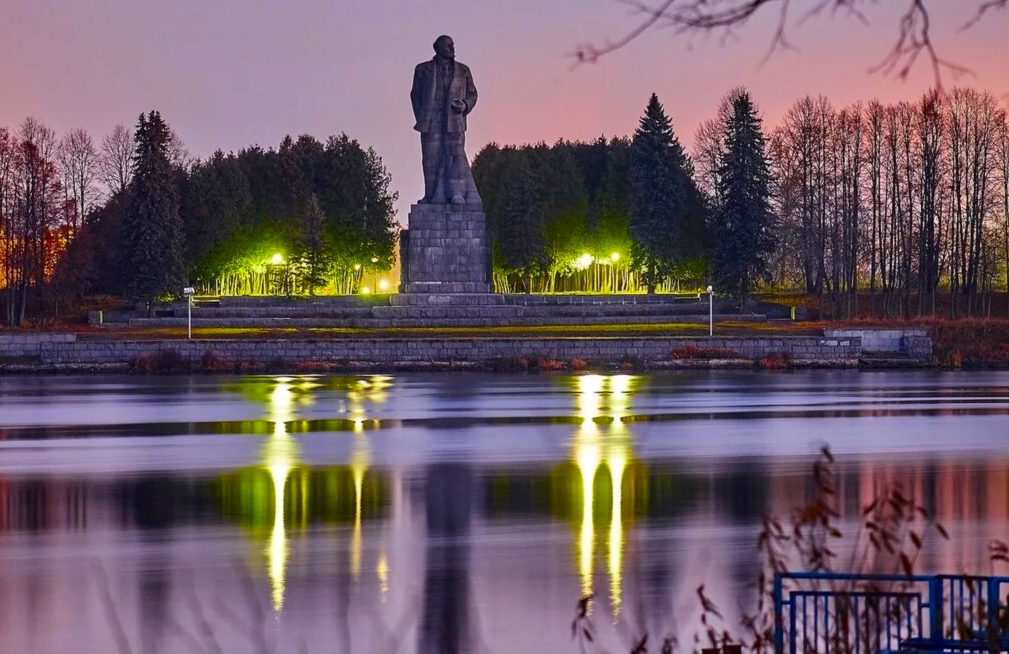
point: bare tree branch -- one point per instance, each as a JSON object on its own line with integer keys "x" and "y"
{"x": 78, "y": 163}
{"x": 115, "y": 162}
{"x": 587, "y": 53}
{"x": 914, "y": 35}
{"x": 111, "y": 613}
{"x": 985, "y": 7}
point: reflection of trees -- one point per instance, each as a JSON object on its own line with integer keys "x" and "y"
{"x": 312, "y": 496}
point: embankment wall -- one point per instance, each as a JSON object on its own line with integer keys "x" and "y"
{"x": 28, "y": 345}
{"x": 475, "y": 350}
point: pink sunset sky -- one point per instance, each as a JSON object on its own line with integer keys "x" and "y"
{"x": 232, "y": 73}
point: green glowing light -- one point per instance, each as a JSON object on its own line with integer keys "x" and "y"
{"x": 277, "y": 259}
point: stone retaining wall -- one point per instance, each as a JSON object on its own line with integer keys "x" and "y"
{"x": 391, "y": 351}
{"x": 19, "y": 346}
{"x": 912, "y": 343}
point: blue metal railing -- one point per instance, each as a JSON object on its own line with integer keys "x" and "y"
{"x": 866, "y": 614}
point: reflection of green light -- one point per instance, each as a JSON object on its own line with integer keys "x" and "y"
{"x": 587, "y": 456}
{"x": 358, "y": 466}
{"x": 588, "y": 463}
{"x": 343, "y": 495}
{"x": 618, "y": 453}
{"x": 382, "y": 572}
{"x": 588, "y": 445}
{"x": 616, "y": 461}
{"x": 280, "y": 455}
{"x": 276, "y": 551}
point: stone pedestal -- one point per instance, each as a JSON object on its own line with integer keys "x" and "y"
{"x": 446, "y": 250}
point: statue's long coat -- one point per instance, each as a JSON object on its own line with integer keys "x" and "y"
{"x": 424, "y": 92}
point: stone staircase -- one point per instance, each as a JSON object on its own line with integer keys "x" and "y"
{"x": 445, "y": 310}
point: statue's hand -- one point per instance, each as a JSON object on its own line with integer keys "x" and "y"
{"x": 458, "y": 106}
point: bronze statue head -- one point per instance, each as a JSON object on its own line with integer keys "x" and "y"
{"x": 444, "y": 47}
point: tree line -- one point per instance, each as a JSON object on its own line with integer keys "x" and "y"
{"x": 134, "y": 216}
{"x": 890, "y": 206}
{"x": 900, "y": 203}
{"x": 633, "y": 214}
{"x": 612, "y": 215}
{"x": 903, "y": 202}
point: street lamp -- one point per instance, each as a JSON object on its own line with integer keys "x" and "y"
{"x": 711, "y": 311}
{"x": 189, "y": 292}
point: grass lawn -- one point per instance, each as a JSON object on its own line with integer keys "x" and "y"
{"x": 650, "y": 329}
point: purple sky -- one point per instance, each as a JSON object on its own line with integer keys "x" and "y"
{"x": 231, "y": 73}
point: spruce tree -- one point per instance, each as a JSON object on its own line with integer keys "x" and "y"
{"x": 315, "y": 258}
{"x": 744, "y": 223}
{"x": 152, "y": 228}
{"x": 666, "y": 204}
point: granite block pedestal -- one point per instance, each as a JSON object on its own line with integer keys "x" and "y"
{"x": 446, "y": 250}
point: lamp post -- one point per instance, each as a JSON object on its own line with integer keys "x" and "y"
{"x": 189, "y": 291}
{"x": 711, "y": 311}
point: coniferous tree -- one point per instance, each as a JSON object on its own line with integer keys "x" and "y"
{"x": 315, "y": 259}
{"x": 152, "y": 228}
{"x": 522, "y": 244}
{"x": 666, "y": 204}
{"x": 744, "y": 222}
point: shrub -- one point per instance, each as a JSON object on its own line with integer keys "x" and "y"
{"x": 578, "y": 364}
{"x": 511, "y": 364}
{"x": 549, "y": 365}
{"x": 775, "y": 361}
{"x": 214, "y": 363}
{"x": 162, "y": 361}
{"x": 315, "y": 367}
{"x": 970, "y": 343}
{"x": 630, "y": 363}
{"x": 247, "y": 366}
{"x": 702, "y": 352}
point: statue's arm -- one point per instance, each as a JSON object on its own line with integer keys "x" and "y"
{"x": 471, "y": 95}
{"x": 415, "y": 92}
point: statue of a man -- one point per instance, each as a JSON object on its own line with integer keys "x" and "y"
{"x": 443, "y": 95}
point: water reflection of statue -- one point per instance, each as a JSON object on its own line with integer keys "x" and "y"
{"x": 443, "y": 95}
{"x": 445, "y": 626}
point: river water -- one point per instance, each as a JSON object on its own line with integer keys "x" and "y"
{"x": 453, "y": 512}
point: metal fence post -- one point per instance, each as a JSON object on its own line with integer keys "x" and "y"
{"x": 779, "y": 618}
{"x": 935, "y": 608}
